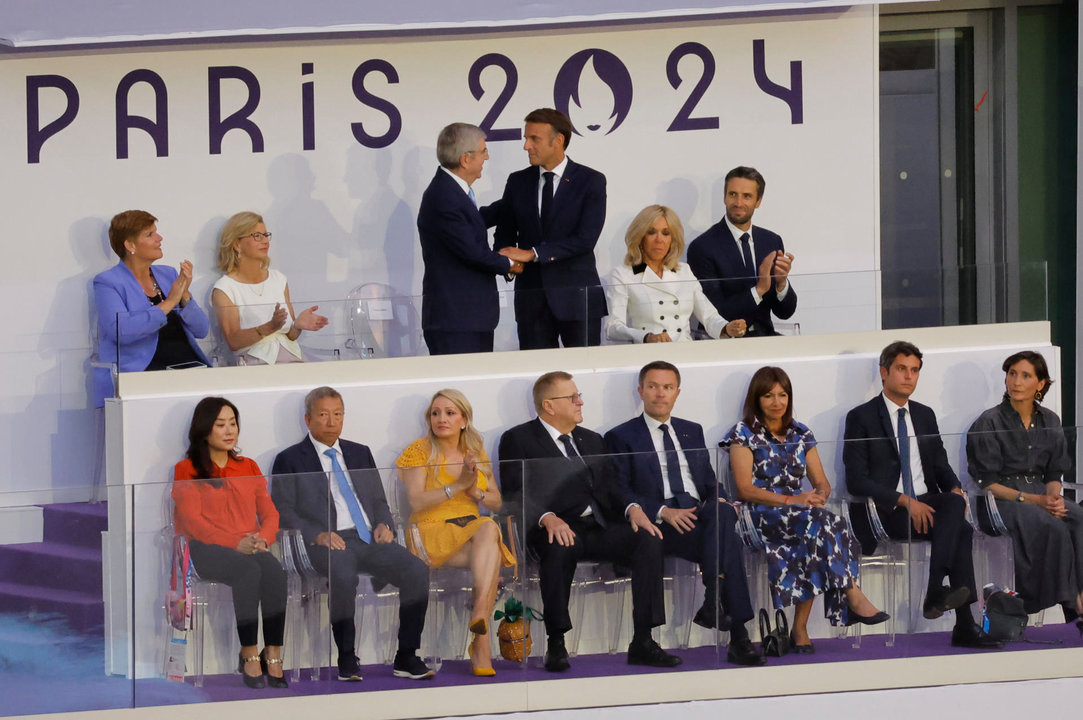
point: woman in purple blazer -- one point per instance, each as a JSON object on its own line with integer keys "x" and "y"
{"x": 147, "y": 318}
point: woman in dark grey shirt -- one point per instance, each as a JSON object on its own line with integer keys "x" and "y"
{"x": 1017, "y": 451}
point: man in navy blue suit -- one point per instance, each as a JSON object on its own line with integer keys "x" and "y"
{"x": 330, "y": 490}
{"x": 550, "y": 218}
{"x": 682, "y": 498}
{"x": 459, "y": 307}
{"x": 744, "y": 269}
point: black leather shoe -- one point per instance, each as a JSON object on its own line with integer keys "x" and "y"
{"x": 412, "y": 667}
{"x": 556, "y": 656}
{"x": 348, "y": 668}
{"x": 279, "y": 683}
{"x": 973, "y": 637}
{"x": 650, "y": 653}
{"x": 711, "y": 616}
{"x": 939, "y": 601}
{"x": 255, "y": 682}
{"x": 853, "y": 618}
{"x": 743, "y": 652}
{"x": 801, "y": 649}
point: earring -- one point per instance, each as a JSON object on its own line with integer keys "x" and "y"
{"x": 1038, "y": 395}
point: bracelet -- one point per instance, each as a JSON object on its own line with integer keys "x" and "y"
{"x": 482, "y": 495}
{"x": 447, "y": 491}
{"x": 258, "y": 331}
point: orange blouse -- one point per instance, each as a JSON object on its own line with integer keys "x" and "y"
{"x": 223, "y": 516}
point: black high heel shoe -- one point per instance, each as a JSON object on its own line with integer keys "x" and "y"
{"x": 279, "y": 683}
{"x": 853, "y": 618}
{"x": 253, "y": 681}
{"x": 801, "y": 649}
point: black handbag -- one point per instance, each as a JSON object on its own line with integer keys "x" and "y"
{"x": 776, "y": 642}
{"x": 1005, "y": 617}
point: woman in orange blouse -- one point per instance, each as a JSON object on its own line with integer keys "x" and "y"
{"x": 225, "y": 511}
{"x": 448, "y": 478}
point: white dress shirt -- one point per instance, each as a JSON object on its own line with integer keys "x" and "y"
{"x": 655, "y": 428}
{"x": 342, "y": 510}
{"x": 916, "y": 471}
{"x": 737, "y": 233}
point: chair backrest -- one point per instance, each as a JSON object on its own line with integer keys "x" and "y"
{"x": 382, "y": 322}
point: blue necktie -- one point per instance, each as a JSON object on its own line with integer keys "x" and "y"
{"x": 681, "y": 499}
{"x": 348, "y": 495}
{"x": 904, "y": 455}
{"x": 746, "y": 250}
{"x": 473, "y": 198}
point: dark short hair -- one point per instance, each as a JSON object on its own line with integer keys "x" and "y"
{"x": 544, "y": 384}
{"x": 554, "y": 118}
{"x": 203, "y": 418}
{"x": 319, "y": 394}
{"x": 127, "y": 225}
{"x": 748, "y": 173}
{"x": 659, "y": 365}
{"x": 897, "y": 348}
{"x": 761, "y": 383}
{"x": 1041, "y": 369}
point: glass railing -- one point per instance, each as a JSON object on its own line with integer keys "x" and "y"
{"x": 92, "y": 588}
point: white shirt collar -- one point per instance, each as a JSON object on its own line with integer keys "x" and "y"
{"x": 462, "y": 183}
{"x": 738, "y": 232}
{"x": 892, "y": 408}
{"x": 558, "y": 171}
{"x": 321, "y": 448}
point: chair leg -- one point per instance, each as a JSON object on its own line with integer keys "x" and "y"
{"x": 199, "y": 621}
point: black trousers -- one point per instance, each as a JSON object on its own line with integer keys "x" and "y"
{"x": 387, "y": 563}
{"x": 715, "y": 540}
{"x": 538, "y": 329}
{"x": 441, "y": 342}
{"x": 258, "y": 581}
{"x": 638, "y": 551}
{"x": 951, "y": 538}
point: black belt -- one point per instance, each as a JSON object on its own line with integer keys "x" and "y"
{"x": 1023, "y": 477}
{"x": 462, "y": 521}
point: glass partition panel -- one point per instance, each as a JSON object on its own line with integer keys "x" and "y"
{"x": 55, "y": 650}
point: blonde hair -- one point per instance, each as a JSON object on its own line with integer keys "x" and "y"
{"x": 240, "y": 225}
{"x": 638, "y": 230}
{"x": 470, "y": 440}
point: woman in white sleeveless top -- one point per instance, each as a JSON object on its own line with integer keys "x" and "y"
{"x": 252, "y": 301}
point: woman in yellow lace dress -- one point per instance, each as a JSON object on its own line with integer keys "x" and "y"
{"x": 448, "y": 479}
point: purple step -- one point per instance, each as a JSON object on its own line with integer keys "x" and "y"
{"x": 75, "y": 523}
{"x": 52, "y": 565}
{"x": 84, "y": 611}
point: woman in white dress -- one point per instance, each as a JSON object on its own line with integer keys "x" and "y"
{"x": 252, "y": 301}
{"x": 654, "y": 295}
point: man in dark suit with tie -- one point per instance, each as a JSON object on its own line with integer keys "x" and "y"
{"x": 550, "y": 218}
{"x": 330, "y": 490}
{"x": 459, "y": 305}
{"x": 744, "y": 269}
{"x": 682, "y": 499}
{"x": 560, "y": 475}
{"x": 893, "y": 453}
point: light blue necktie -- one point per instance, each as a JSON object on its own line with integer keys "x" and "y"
{"x": 348, "y": 495}
{"x": 904, "y": 455}
{"x": 473, "y": 198}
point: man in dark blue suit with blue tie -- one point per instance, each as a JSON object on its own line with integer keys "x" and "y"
{"x": 550, "y": 218}
{"x": 682, "y": 498}
{"x": 744, "y": 269}
{"x": 330, "y": 490}
{"x": 459, "y": 307}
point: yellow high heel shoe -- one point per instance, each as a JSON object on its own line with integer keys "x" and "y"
{"x": 479, "y": 627}
{"x": 480, "y": 671}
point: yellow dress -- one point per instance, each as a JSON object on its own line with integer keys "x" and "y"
{"x": 442, "y": 539}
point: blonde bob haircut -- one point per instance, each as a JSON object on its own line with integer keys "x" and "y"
{"x": 638, "y": 230}
{"x": 239, "y": 226}
{"x": 470, "y": 440}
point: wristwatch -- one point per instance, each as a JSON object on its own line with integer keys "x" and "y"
{"x": 1020, "y": 497}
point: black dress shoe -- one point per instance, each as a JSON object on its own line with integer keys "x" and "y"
{"x": 648, "y": 652}
{"x": 801, "y": 649}
{"x": 712, "y": 616}
{"x": 940, "y": 600}
{"x": 853, "y": 618}
{"x": 255, "y": 682}
{"x": 556, "y": 657}
{"x": 743, "y": 652}
{"x": 973, "y": 637}
{"x": 412, "y": 667}
{"x": 279, "y": 683}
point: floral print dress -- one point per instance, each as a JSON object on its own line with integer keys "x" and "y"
{"x": 810, "y": 550}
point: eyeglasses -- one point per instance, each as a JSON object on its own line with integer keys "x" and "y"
{"x": 578, "y": 397}
{"x": 255, "y": 236}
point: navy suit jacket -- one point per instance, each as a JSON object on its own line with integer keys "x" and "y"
{"x": 641, "y": 478}
{"x": 459, "y": 286}
{"x": 871, "y": 452}
{"x": 299, "y": 488}
{"x": 566, "y": 254}
{"x": 536, "y": 476}
{"x": 720, "y": 268}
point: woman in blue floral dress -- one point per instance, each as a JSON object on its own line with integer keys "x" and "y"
{"x": 811, "y": 551}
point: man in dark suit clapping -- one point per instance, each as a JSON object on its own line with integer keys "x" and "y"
{"x": 572, "y": 509}
{"x": 459, "y": 308}
{"x": 330, "y": 490}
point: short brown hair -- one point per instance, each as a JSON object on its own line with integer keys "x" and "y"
{"x": 659, "y": 365}
{"x": 897, "y": 348}
{"x": 127, "y": 225}
{"x": 761, "y": 383}
{"x": 544, "y": 384}
{"x": 555, "y": 119}
{"x": 1041, "y": 369}
{"x": 747, "y": 173}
